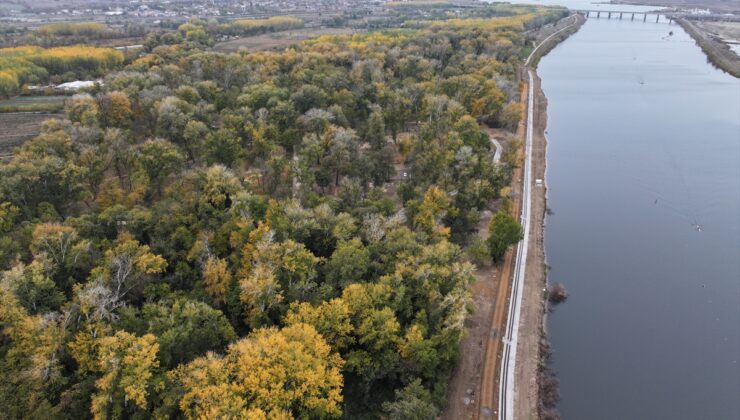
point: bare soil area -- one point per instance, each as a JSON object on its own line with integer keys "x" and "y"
{"x": 278, "y": 40}
{"x": 464, "y": 387}
{"x": 717, "y": 50}
{"x": 725, "y": 32}
{"x": 17, "y": 127}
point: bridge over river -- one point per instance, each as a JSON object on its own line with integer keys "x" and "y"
{"x": 608, "y": 14}
{"x": 669, "y": 14}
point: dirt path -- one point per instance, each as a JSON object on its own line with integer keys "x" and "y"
{"x": 464, "y": 387}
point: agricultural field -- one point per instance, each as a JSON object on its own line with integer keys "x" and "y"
{"x": 19, "y": 127}
{"x": 278, "y": 40}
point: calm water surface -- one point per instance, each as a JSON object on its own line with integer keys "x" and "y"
{"x": 644, "y": 181}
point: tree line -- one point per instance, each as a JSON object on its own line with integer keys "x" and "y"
{"x": 25, "y": 65}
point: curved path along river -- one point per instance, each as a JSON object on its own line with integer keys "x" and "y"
{"x": 507, "y": 382}
{"x": 508, "y": 360}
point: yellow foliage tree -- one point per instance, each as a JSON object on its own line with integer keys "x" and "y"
{"x": 330, "y": 318}
{"x": 116, "y": 109}
{"x": 128, "y": 364}
{"x": 270, "y": 374}
{"x": 61, "y": 244}
{"x": 217, "y": 278}
{"x": 431, "y": 210}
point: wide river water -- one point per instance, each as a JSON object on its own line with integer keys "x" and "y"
{"x": 644, "y": 182}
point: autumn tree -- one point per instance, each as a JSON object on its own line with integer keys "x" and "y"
{"x": 127, "y": 267}
{"x": 510, "y": 115}
{"x": 430, "y": 211}
{"x": 115, "y": 109}
{"x": 127, "y": 364}
{"x": 217, "y": 278}
{"x": 95, "y": 162}
{"x": 120, "y": 154}
{"x": 330, "y": 318}
{"x": 61, "y": 244}
{"x": 278, "y": 373}
{"x": 33, "y": 288}
{"x": 260, "y": 292}
{"x": 159, "y": 158}
{"x": 8, "y": 246}
{"x": 82, "y": 108}
{"x": 194, "y": 137}
{"x": 172, "y": 117}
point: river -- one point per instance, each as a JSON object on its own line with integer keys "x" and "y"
{"x": 644, "y": 182}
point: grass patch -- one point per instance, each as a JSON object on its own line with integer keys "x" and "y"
{"x": 33, "y": 104}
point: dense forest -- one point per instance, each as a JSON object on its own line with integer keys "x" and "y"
{"x": 257, "y": 235}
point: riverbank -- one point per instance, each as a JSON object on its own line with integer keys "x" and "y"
{"x": 549, "y": 38}
{"x": 474, "y": 386}
{"x": 716, "y": 51}
{"x": 531, "y": 325}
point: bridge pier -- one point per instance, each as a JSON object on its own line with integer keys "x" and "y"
{"x": 644, "y": 17}
{"x": 610, "y": 15}
{"x": 598, "y": 14}
{"x": 633, "y": 16}
{"x": 620, "y": 16}
{"x": 657, "y": 18}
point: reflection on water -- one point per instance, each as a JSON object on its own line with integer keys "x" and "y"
{"x": 644, "y": 182}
